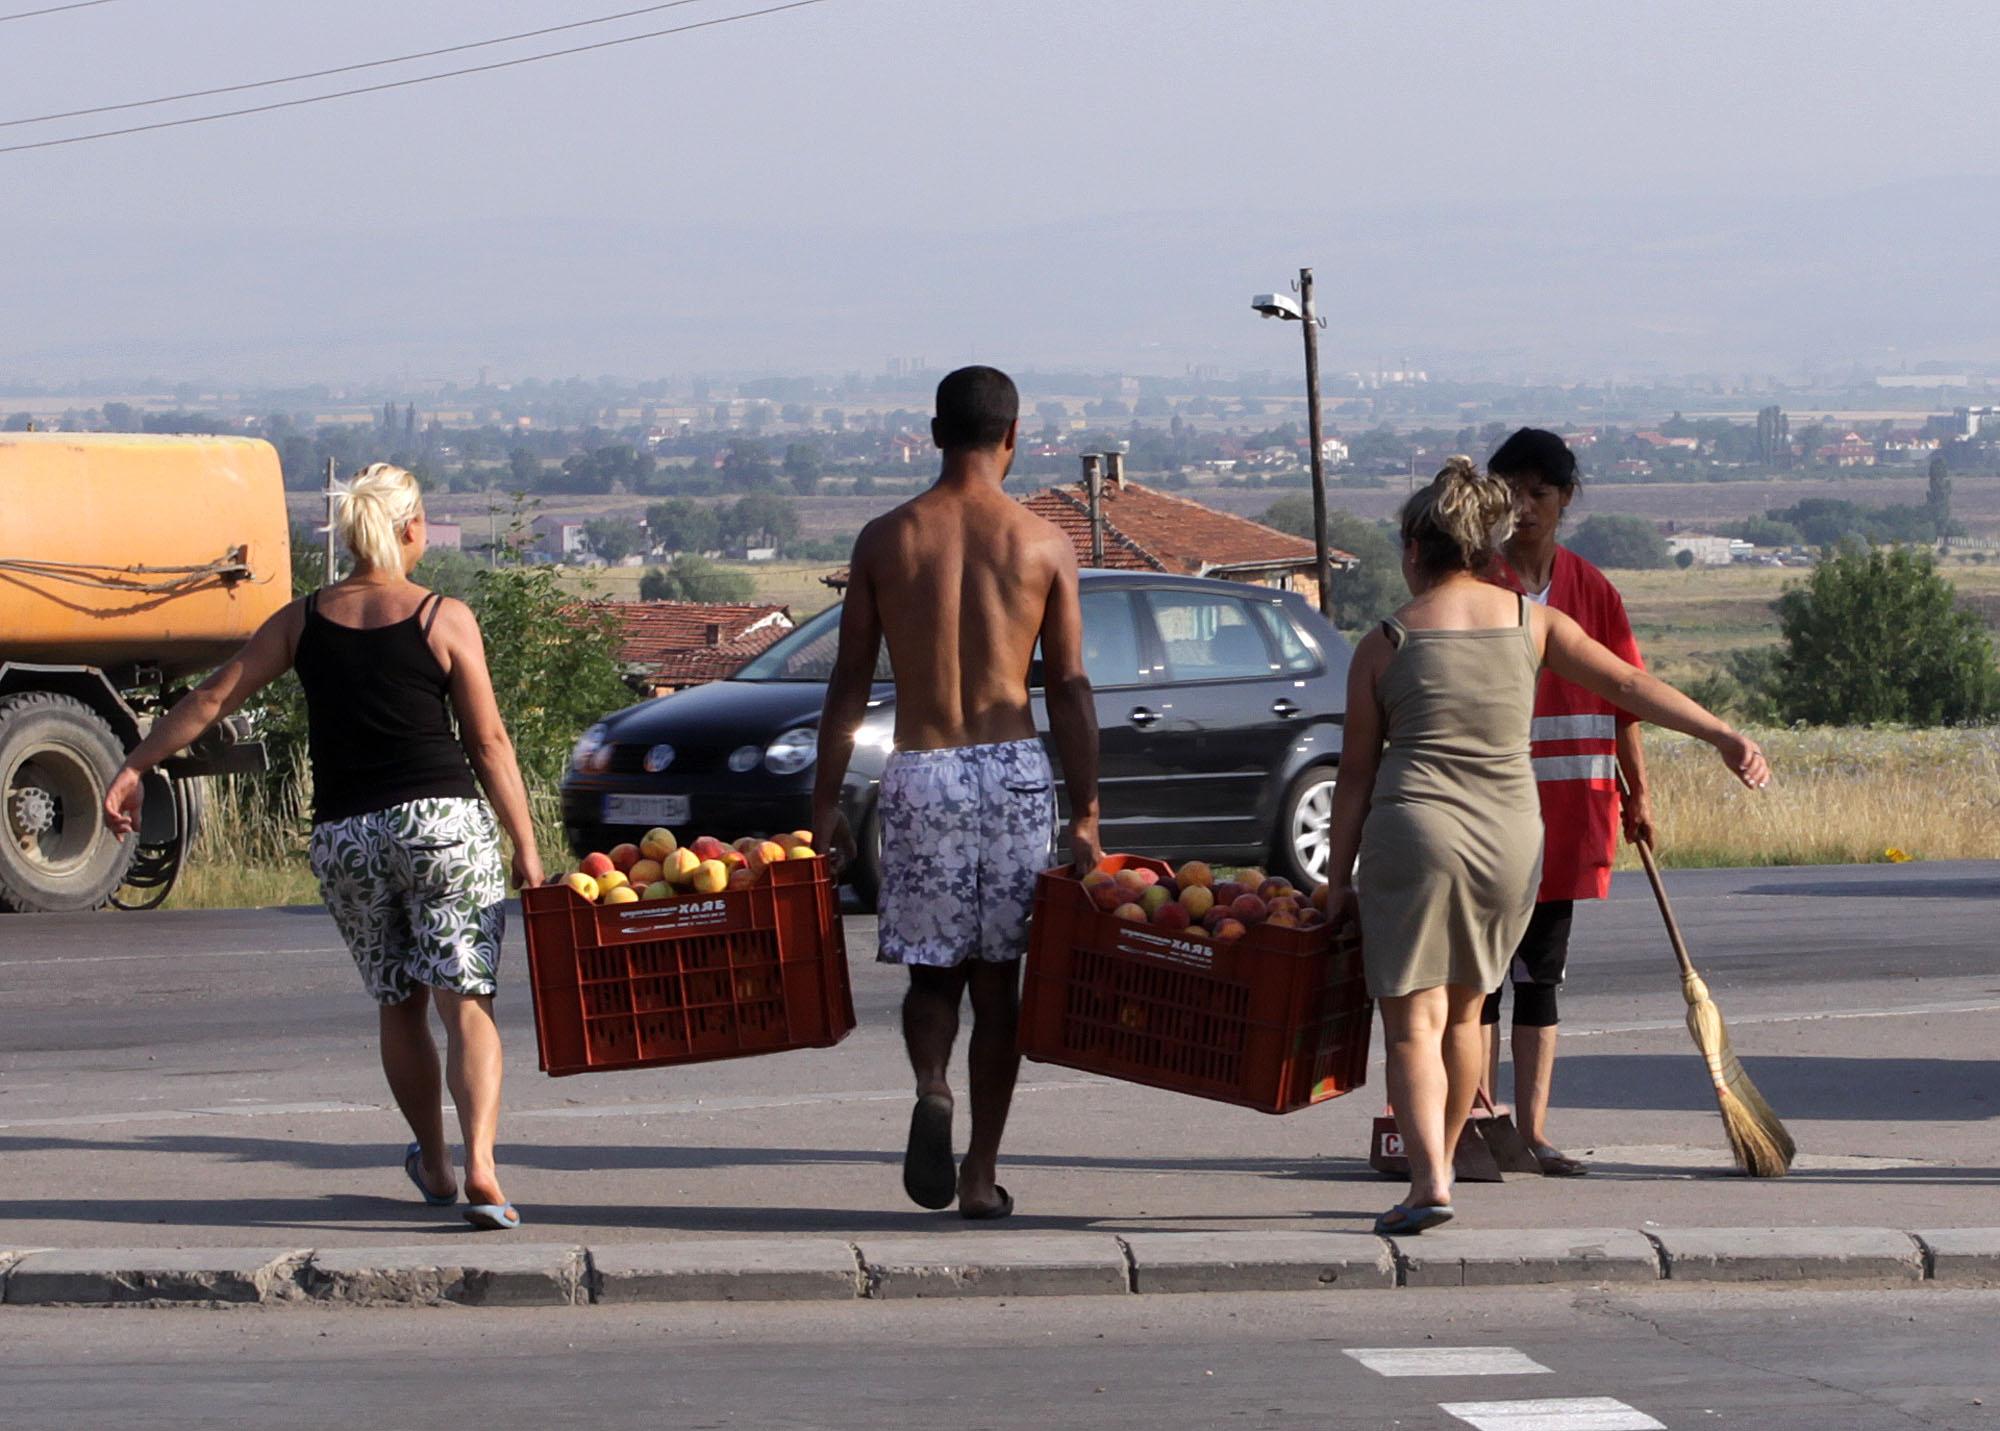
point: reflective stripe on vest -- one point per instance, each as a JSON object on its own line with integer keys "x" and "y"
{"x": 1576, "y": 767}
{"x": 1574, "y": 727}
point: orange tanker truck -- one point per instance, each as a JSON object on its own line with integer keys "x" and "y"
{"x": 129, "y": 566}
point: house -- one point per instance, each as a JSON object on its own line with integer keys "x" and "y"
{"x": 1707, "y": 550}
{"x": 1149, "y": 530}
{"x": 559, "y": 539}
{"x": 445, "y": 536}
{"x": 1853, "y": 450}
{"x": 667, "y": 646}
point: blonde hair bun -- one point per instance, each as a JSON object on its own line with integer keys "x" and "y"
{"x": 1461, "y": 519}
{"x": 370, "y": 511}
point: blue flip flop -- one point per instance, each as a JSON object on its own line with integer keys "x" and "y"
{"x": 413, "y": 1164}
{"x": 1402, "y": 1221}
{"x": 493, "y": 1216}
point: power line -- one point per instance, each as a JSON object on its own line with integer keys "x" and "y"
{"x": 54, "y": 9}
{"x": 338, "y": 69}
{"x": 405, "y": 83}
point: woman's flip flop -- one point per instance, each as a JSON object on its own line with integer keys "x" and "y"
{"x": 413, "y": 1164}
{"x": 992, "y": 1212}
{"x": 928, "y": 1174}
{"x": 1402, "y": 1221}
{"x": 493, "y": 1216}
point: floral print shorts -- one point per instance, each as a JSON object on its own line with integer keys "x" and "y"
{"x": 964, "y": 834}
{"x": 418, "y": 893}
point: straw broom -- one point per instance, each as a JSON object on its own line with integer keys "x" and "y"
{"x": 1757, "y": 1137}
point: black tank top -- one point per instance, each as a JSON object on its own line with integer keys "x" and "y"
{"x": 377, "y": 718}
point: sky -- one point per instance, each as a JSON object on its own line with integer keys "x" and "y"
{"x": 1552, "y": 189}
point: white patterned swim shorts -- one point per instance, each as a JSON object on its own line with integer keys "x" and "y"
{"x": 418, "y": 894}
{"x": 964, "y": 833}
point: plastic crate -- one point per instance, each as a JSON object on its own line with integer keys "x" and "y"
{"x": 1276, "y": 1021}
{"x": 690, "y": 979}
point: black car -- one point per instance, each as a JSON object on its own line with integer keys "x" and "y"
{"x": 1219, "y": 707}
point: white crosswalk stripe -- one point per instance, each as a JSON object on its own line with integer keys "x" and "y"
{"x": 1573, "y": 1413}
{"x": 1446, "y": 1361}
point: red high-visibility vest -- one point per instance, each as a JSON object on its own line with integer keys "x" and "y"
{"x": 1574, "y": 738}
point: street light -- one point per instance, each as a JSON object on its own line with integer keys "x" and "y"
{"x": 1301, "y": 311}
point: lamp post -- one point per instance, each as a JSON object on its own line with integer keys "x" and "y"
{"x": 1302, "y": 312}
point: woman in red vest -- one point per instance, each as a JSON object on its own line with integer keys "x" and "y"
{"x": 1580, "y": 744}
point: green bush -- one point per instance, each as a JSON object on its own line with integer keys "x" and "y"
{"x": 1877, "y": 637}
{"x": 1372, "y": 589}
{"x": 695, "y": 578}
{"x": 1628, "y": 543}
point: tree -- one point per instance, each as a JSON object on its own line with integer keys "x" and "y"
{"x": 524, "y": 469}
{"x": 1374, "y": 588}
{"x": 803, "y": 466}
{"x": 1632, "y": 543}
{"x": 746, "y": 466}
{"x": 684, "y": 526}
{"x": 19, "y": 422}
{"x": 1765, "y": 532}
{"x": 695, "y": 578}
{"x": 1938, "y": 499}
{"x": 1878, "y": 636}
{"x": 760, "y": 521}
{"x": 614, "y": 538}
{"x": 1684, "y": 558}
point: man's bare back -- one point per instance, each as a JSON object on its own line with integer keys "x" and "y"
{"x": 960, "y": 579}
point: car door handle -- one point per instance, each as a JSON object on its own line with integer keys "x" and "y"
{"x": 1143, "y": 716}
{"x": 1284, "y": 709}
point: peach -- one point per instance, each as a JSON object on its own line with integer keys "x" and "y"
{"x": 1129, "y": 881}
{"x": 1147, "y": 877}
{"x": 802, "y": 852}
{"x": 1155, "y": 899}
{"x": 644, "y": 873}
{"x": 659, "y": 889}
{"x": 1107, "y": 896}
{"x": 1286, "y": 902}
{"x": 745, "y": 845}
{"x": 1248, "y": 908}
{"x": 804, "y": 837}
{"x": 1216, "y": 916}
{"x": 1194, "y": 872}
{"x": 624, "y": 894}
{"x": 1227, "y": 890}
{"x": 768, "y": 852}
{"x": 787, "y": 840}
{"x": 1282, "y": 919}
{"x": 595, "y": 864}
{"x": 1320, "y": 895}
{"x": 680, "y": 866}
{"x": 1198, "y": 900}
{"x": 1171, "y": 916}
{"x": 584, "y": 885}
{"x": 734, "y": 859}
{"x": 710, "y": 877}
{"x": 1250, "y": 878}
{"x": 1229, "y": 931}
{"x": 610, "y": 880}
{"x": 1133, "y": 912}
{"x": 708, "y": 848}
{"x": 1096, "y": 878}
{"x": 1272, "y": 888}
{"x": 624, "y": 856}
{"x": 657, "y": 843}
{"x": 1195, "y": 931}
{"x": 742, "y": 879}
{"x": 1311, "y": 919}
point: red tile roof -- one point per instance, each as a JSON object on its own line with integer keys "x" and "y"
{"x": 1148, "y": 530}
{"x": 685, "y": 643}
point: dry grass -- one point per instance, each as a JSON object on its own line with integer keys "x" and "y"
{"x": 1838, "y": 796}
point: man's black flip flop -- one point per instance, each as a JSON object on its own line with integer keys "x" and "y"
{"x": 929, "y": 1176}
{"x": 994, "y": 1213}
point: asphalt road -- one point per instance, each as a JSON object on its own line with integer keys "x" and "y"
{"x": 1534, "y": 1361}
{"x": 211, "y": 1077}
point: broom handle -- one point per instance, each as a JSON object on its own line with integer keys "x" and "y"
{"x": 1660, "y": 892}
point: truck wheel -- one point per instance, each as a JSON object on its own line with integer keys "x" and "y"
{"x": 57, "y": 758}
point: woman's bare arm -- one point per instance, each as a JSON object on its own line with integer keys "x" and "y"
{"x": 1574, "y": 656}
{"x": 266, "y": 656}
{"x": 487, "y": 744}
{"x": 1360, "y": 757}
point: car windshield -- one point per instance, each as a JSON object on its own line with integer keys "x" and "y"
{"x": 807, "y": 654}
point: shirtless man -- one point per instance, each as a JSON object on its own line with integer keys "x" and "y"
{"x": 962, "y": 581}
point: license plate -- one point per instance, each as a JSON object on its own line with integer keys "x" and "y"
{"x": 646, "y": 809}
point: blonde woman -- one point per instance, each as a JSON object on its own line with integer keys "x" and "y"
{"x": 1437, "y": 795}
{"x": 405, "y": 850}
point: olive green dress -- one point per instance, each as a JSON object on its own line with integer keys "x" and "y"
{"x": 1451, "y": 854}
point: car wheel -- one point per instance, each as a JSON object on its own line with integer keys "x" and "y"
{"x": 866, "y": 876}
{"x": 1305, "y": 827}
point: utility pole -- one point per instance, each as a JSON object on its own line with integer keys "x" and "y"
{"x": 1093, "y": 486}
{"x": 1325, "y": 556}
{"x": 329, "y": 521}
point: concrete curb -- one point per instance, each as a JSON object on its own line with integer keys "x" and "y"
{"x": 491, "y": 1272}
